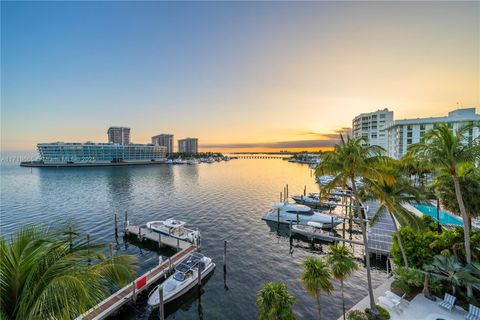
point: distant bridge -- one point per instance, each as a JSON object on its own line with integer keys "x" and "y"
{"x": 256, "y": 156}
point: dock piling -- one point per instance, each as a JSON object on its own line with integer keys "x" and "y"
{"x": 134, "y": 293}
{"x": 160, "y": 303}
{"x": 140, "y": 233}
{"x": 225, "y": 252}
{"x": 126, "y": 220}
{"x": 281, "y": 196}
{"x": 159, "y": 240}
{"x": 199, "y": 277}
{"x": 116, "y": 226}
{"x": 287, "y": 193}
{"x": 178, "y": 244}
{"x": 304, "y": 191}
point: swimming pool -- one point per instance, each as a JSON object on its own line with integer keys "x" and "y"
{"x": 445, "y": 217}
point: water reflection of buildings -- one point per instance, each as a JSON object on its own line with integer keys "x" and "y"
{"x": 119, "y": 184}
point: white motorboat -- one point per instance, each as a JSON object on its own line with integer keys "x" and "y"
{"x": 174, "y": 228}
{"x": 313, "y": 200}
{"x": 184, "y": 279}
{"x": 300, "y": 214}
{"x": 313, "y": 230}
{"x": 192, "y": 161}
{"x": 324, "y": 180}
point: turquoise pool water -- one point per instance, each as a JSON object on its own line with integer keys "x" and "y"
{"x": 445, "y": 217}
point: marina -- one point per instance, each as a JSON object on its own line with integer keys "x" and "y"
{"x": 194, "y": 194}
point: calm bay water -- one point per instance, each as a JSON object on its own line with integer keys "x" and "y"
{"x": 225, "y": 200}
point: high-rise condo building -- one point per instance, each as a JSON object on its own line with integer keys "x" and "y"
{"x": 188, "y": 145}
{"x": 403, "y": 133}
{"x": 165, "y": 140}
{"x": 373, "y": 126}
{"x": 119, "y": 135}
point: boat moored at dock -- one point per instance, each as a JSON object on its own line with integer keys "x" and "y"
{"x": 289, "y": 212}
{"x": 313, "y": 230}
{"x": 174, "y": 228}
{"x": 185, "y": 278}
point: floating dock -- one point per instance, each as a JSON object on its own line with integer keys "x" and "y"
{"x": 149, "y": 278}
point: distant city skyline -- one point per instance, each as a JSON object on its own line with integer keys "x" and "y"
{"x": 240, "y": 76}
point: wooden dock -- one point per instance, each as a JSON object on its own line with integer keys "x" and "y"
{"x": 145, "y": 281}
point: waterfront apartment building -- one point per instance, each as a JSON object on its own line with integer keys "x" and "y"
{"x": 188, "y": 145}
{"x": 119, "y": 135}
{"x": 165, "y": 140}
{"x": 373, "y": 126}
{"x": 403, "y": 133}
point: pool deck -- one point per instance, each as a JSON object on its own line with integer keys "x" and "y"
{"x": 419, "y": 308}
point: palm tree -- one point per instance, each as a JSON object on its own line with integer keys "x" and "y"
{"x": 50, "y": 275}
{"x": 447, "y": 152}
{"x": 353, "y": 158}
{"x": 316, "y": 279}
{"x": 448, "y": 268}
{"x": 391, "y": 196}
{"x": 275, "y": 302}
{"x": 342, "y": 264}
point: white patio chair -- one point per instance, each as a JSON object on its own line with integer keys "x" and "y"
{"x": 386, "y": 302}
{"x": 448, "y": 302}
{"x": 473, "y": 313}
{"x": 395, "y": 298}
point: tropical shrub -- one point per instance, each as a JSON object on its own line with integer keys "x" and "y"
{"x": 416, "y": 246}
{"x": 383, "y": 314}
{"x": 274, "y": 302}
{"x": 357, "y": 315}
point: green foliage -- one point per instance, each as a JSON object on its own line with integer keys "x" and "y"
{"x": 383, "y": 314}
{"x": 275, "y": 302}
{"x": 357, "y": 315}
{"x": 470, "y": 187}
{"x": 421, "y": 247}
{"x": 342, "y": 262}
{"x": 416, "y": 246}
{"x": 47, "y": 275}
{"x": 316, "y": 278}
{"x": 411, "y": 277}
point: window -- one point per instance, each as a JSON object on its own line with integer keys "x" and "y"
{"x": 382, "y": 116}
{"x": 409, "y": 141}
{"x": 422, "y": 127}
{"x": 409, "y": 127}
{"x": 409, "y": 134}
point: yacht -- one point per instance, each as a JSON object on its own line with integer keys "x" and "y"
{"x": 313, "y": 199}
{"x": 324, "y": 180}
{"x": 290, "y": 212}
{"x": 184, "y": 279}
{"x": 313, "y": 230}
{"x": 174, "y": 228}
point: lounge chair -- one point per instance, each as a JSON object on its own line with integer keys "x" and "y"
{"x": 448, "y": 302}
{"x": 387, "y": 302}
{"x": 395, "y": 298}
{"x": 473, "y": 313}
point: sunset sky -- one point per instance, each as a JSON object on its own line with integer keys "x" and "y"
{"x": 237, "y": 75}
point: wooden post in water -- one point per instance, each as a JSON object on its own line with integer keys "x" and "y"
{"x": 199, "y": 276}
{"x": 140, "y": 233}
{"x": 116, "y": 226}
{"x": 178, "y": 244}
{"x": 281, "y": 197}
{"x": 284, "y": 194}
{"x": 224, "y": 252}
{"x": 169, "y": 265}
{"x": 304, "y": 191}
{"x": 126, "y": 220}
{"x": 331, "y": 224}
{"x": 160, "y": 303}
{"x": 287, "y": 192}
{"x": 134, "y": 293}
{"x": 159, "y": 240}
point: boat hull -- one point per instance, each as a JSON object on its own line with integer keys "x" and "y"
{"x": 153, "y": 301}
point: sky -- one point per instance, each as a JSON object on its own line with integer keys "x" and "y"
{"x": 240, "y": 76}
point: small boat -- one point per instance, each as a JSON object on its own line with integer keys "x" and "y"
{"x": 313, "y": 230}
{"x": 179, "y": 161}
{"x": 313, "y": 200}
{"x": 192, "y": 161}
{"x": 174, "y": 228}
{"x": 170, "y": 161}
{"x": 300, "y": 214}
{"x": 184, "y": 279}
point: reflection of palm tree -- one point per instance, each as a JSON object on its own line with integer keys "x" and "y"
{"x": 342, "y": 264}
{"x": 316, "y": 279}
{"x": 48, "y": 276}
{"x": 275, "y": 302}
{"x": 390, "y": 197}
{"x": 352, "y": 159}
{"x": 447, "y": 152}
